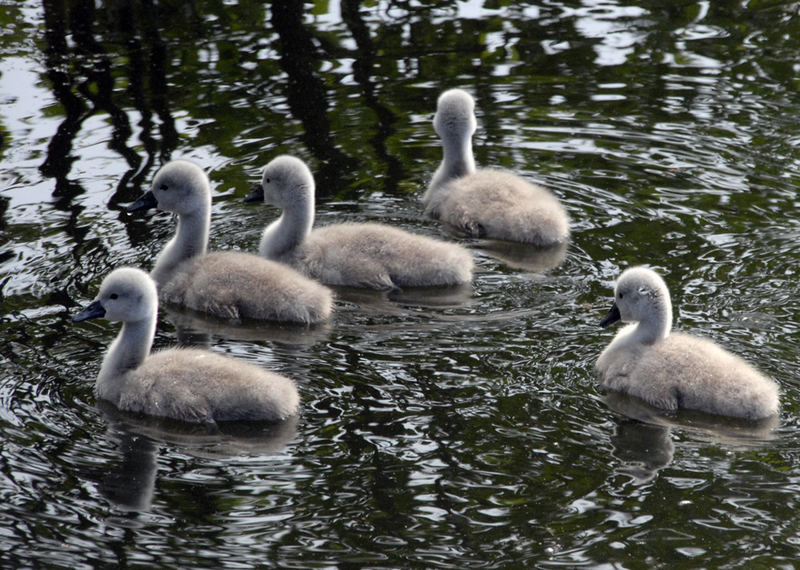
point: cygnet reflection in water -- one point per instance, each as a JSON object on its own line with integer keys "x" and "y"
{"x": 522, "y": 256}
{"x": 432, "y": 297}
{"x": 709, "y": 427}
{"x": 194, "y": 330}
{"x": 130, "y": 483}
{"x": 643, "y": 449}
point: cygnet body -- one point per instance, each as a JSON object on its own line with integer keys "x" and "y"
{"x": 486, "y": 203}
{"x": 225, "y": 284}
{"x": 674, "y": 371}
{"x": 370, "y": 255}
{"x": 185, "y": 384}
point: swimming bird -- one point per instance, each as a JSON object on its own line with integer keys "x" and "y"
{"x": 224, "y": 284}
{"x": 486, "y": 203}
{"x": 186, "y": 384}
{"x": 368, "y": 255}
{"x": 673, "y": 370}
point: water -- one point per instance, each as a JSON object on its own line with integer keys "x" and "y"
{"x": 463, "y": 430}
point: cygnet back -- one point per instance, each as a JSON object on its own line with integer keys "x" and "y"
{"x": 231, "y": 285}
{"x": 378, "y": 256}
{"x": 674, "y": 370}
{"x": 190, "y": 385}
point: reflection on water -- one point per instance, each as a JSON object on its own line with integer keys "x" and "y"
{"x": 130, "y": 481}
{"x": 643, "y": 439}
{"x": 525, "y": 257}
{"x": 642, "y": 449}
{"x": 727, "y": 430}
{"x": 385, "y": 302}
{"x": 130, "y": 484}
{"x": 193, "y": 329}
{"x": 448, "y": 428}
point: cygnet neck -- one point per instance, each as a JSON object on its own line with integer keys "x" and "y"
{"x": 126, "y": 353}
{"x": 190, "y": 240}
{"x": 657, "y": 323}
{"x": 284, "y": 235}
{"x": 457, "y": 160}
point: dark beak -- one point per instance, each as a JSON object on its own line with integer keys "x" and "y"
{"x": 612, "y": 317}
{"x": 147, "y": 201}
{"x": 92, "y": 311}
{"x": 256, "y": 194}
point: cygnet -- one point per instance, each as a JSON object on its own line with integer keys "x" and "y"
{"x": 224, "y": 284}
{"x": 674, "y": 371}
{"x": 185, "y": 384}
{"x": 369, "y": 255}
{"x": 486, "y": 203}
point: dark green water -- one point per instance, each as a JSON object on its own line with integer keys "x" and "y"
{"x": 458, "y": 431}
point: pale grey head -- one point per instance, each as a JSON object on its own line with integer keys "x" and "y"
{"x": 127, "y": 294}
{"x": 287, "y": 180}
{"x": 641, "y": 296}
{"x": 180, "y": 187}
{"x": 455, "y": 115}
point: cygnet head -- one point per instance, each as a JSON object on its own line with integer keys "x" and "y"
{"x": 180, "y": 187}
{"x": 286, "y": 181}
{"x": 641, "y": 295}
{"x": 127, "y": 294}
{"x": 455, "y": 115}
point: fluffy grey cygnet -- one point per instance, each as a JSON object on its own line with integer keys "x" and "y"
{"x": 675, "y": 371}
{"x": 486, "y": 203}
{"x": 185, "y": 384}
{"x": 369, "y": 255}
{"x": 225, "y": 284}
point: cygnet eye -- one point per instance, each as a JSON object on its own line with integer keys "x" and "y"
{"x": 267, "y": 181}
{"x": 621, "y": 295}
{"x": 163, "y": 187}
{"x": 114, "y": 296}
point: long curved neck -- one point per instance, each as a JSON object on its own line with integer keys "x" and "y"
{"x": 657, "y": 325}
{"x": 190, "y": 240}
{"x": 283, "y": 236}
{"x": 126, "y": 353}
{"x": 457, "y": 160}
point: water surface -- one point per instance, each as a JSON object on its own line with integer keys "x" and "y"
{"x": 438, "y": 430}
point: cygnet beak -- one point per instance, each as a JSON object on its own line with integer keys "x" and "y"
{"x": 256, "y": 194}
{"x": 612, "y": 317}
{"x": 147, "y": 201}
{"x": 92, "y": 311}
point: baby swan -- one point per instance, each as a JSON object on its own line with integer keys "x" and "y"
{"x": 224, "y": 284}
{"x": 675, "y": 371}
{"x": 185, "y": 384}
{"x": 368, "y": 255}
{"x": 486, "y": 203}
